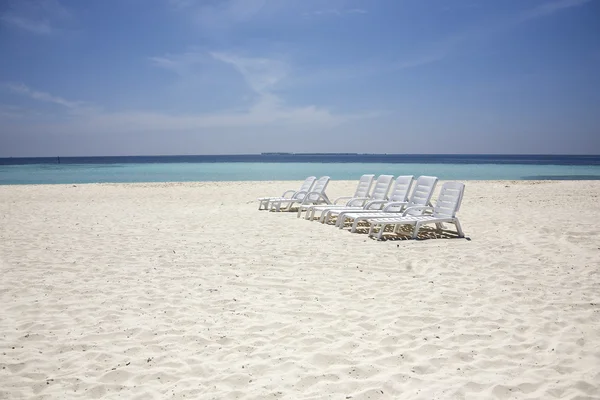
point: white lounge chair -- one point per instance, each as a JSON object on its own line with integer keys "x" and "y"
{"x": 420, "y": 196}
{"x": 399, "y": 196}
{"x": 446, "y": 207}
{"x": 315, "y": 196}
{"x": 289, "y": 194}
{"x": 361, "y": 194}
{"x": 380, "y": 193}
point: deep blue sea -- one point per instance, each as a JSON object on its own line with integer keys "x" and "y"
{"x": 263, "y": 167}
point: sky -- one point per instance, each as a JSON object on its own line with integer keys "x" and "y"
{"x": 168, "y": 77}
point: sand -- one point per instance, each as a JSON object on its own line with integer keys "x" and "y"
{"x": 154, "y": 291}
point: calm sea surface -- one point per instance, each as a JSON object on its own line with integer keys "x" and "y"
{"x": 292, "y": 167}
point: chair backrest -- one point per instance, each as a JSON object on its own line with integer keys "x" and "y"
{"x": 421, "y": 194}
{"x": 305, "y": 188}
{"x": 448, "y": 202}
{"x": 382, "y": 187}
{"x": 364, "y": 186}
{"x": 401, "y": 188}
{"x": 308, "y": 184}
{"x": 319, "y": 187}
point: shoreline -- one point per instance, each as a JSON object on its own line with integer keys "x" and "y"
{"x": 290, "y": 183}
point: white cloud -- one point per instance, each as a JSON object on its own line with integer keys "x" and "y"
{"x": 552, "y": 7}
{"x": 35, "y": 16}
{"x": 24, "y": 90}
{"x": 336, "y": 12}
{"x": 181, "y": 3}
{"x": 261, "y": 74}
{"x": 39, "y": 27}
{"x": 9, "y": 112}
{"x": 223, "y": 14}
{"x": 184, "y": 64}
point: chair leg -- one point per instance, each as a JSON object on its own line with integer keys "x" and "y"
{"x": 371, "y": 229}
{"x": 323, "y": 216}
{"x": 416, "y": 230}
{"x": 328, "y": 218}
{"x": 341, "y": 220}
{"x": 458, "y": 228}
{"x": 381, "y": 229}
{"x": 355, "y": 226}
{"x": 357, "y": 221}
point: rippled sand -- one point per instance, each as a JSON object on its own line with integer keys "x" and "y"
{"x": 153, "y": 291}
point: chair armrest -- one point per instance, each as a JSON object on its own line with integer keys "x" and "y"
{"x": 304, "y": 192}
{"x": 370, "y": 204}
{"x": 342, "y": 198}
{"x": 359, "y": 200}
{"x": 424, "y": 208}
{"x": 287, "y": 192}
{"x": 394, "y": 204}
{"x": 321, "y": 196}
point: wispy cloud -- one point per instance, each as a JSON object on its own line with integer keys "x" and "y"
{"x": 179, "y": 4}
{"x": 39, "y": 27}
{"x": 336, "y": 12}
{"x": 481, "y": 33}
{"x": 550, "y": 8}
{"x": 222, "y": 14}
{"x": 10, "y": 112}
{"x": 20, "y": 88}
{"x": 226, "y": 14}
{"x": 34, "y": 16}
{"x": 261, "y": 74}
{"x": 183, "y": 64}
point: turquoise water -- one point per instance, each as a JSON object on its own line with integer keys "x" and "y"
{"x": 260, "y": 171}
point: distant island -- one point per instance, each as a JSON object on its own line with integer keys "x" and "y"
{"x": 310, "y": 154}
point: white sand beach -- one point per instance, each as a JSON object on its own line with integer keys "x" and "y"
{"x": 186, "y": 290}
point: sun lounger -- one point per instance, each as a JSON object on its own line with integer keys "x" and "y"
{"x": 361, "y": 193}
{"x": 420, "y": 196}
{"x": 399, "y": 194}
{"x": 380, "y": 193}
{"x": 315, "y": 196}
{"x": 445, "y": 210}
{"x": 289, "y": 194}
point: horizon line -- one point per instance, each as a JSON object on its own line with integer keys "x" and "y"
{"x": 314, "y": 154}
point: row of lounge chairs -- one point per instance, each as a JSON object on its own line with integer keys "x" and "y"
{"x": 378, "y": 203}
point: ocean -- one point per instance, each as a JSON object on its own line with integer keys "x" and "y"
{"x": 289, "y": 166}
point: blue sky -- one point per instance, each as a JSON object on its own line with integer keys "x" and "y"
{"x": 134, "y": 77}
